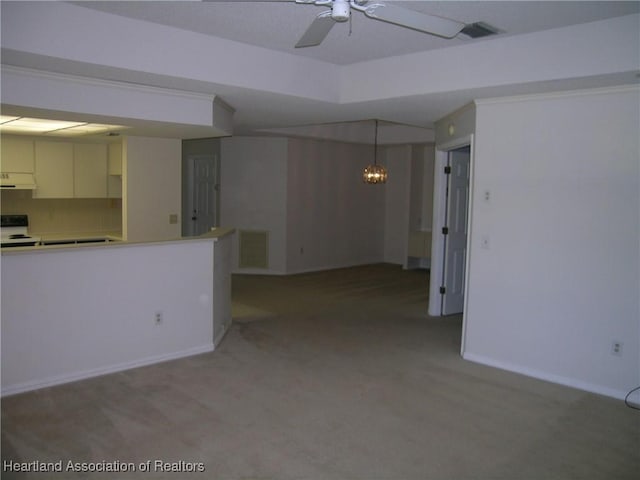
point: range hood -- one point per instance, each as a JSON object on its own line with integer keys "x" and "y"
{"x": 17, "y": 181}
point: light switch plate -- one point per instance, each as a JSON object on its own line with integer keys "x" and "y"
{"x": 173, "y": 218}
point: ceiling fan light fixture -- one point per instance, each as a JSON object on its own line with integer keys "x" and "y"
{"x": 341, "y": 10}
{"x": 386, "y": 12}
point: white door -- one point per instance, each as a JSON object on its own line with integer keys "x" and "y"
{"x": 205, "y": 187}
{"x": 456, "y": 231}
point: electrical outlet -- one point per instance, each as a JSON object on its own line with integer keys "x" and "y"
{"x": 616, "y": 348}
{"x": 159, "y": 318}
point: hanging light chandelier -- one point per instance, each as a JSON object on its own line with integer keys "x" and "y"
{"x": 375, "y": 173}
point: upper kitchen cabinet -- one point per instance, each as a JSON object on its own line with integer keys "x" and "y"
{"x": 114, "y": 180}
{"x": 90, "y": 170}
{"x": 115, "y": 159}
{"x": 70, "y": 170}
{"x": 17, "y": 155}
{"x": 53, "y": 170}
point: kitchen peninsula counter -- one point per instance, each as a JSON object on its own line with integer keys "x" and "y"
{"x": 71, "y": 312}
{"x": 107, "y": 239}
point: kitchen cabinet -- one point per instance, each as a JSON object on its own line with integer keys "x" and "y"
{"x": 70, "y": 170}
{"x": 53, "y": 170}
{"x": 18, "y": 155}
{"x": 115, "y": 159}
{"x": 114, "y": 179}
{"x": 89, "y": 170}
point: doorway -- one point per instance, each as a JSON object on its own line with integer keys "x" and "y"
{"x": 455, "y": 231}
{"x": 451, "y": 219}
{"x": 201, "y": 209}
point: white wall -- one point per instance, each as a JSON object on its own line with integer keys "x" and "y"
{"x": 427, "y": 154}
{"x": 309, "y": 195}
{"x": 75, "y": 313}
{"x": 416, "y": 188}
{"x": 333, "y": 218}
{"x": 560, "y": 281}
{"x": 397, "y": 159}
{"x": 152, "y": 50}
{"x": 253, "y": 193}
{"x": 111, "y": 102}
{"x": 358, "y": 132}
{"x": 421, "y": 195}
{"x": 584, "y": 50}
{"x": 151, "y": 188}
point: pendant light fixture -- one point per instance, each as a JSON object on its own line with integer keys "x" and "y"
{"x": 375, "y": 173}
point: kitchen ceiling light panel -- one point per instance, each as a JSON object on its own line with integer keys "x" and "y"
{"x": 7, "y": 118}
{"x": 87, "y": 129}
{"x": 53, "y": 127}
{"x": 36, "y": 125}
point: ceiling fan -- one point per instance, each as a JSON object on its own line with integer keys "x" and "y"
{"x": 340, "y": 11}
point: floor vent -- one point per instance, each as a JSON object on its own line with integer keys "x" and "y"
{"x": 254, "y": 249}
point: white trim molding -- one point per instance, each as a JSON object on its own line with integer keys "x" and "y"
{"x": 96, "y": 372}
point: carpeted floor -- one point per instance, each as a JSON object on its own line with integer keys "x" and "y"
{"x": 329, "y": 375}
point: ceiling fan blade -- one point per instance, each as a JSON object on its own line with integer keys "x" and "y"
{"x": 442, "y": 27}
{"x": 317, "y": 31}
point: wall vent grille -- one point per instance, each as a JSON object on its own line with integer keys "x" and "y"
{"x": 479, "y": 30}
{"x": 254, "y": 249}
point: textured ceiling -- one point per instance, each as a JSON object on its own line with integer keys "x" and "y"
{"x": 242, "y": 52}
{"x": 278, "y": 25}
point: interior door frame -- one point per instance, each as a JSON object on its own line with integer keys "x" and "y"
{"x": 440, "y": 181}
{"x": 189, "y": 194}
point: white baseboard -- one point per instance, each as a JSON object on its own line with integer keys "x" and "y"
{"x": 313, "y": 269}
{"x": 82, "y": 375}
{"x": 566, "y": 381}
{"x": 326, "y": 268}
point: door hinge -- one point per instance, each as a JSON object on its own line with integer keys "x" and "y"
{"x": 447, "y": 170}
{"x": 445, "y": 230}
{"x": 443, "y": 290}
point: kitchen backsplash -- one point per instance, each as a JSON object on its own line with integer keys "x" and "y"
{"x": 73, "y": 215}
